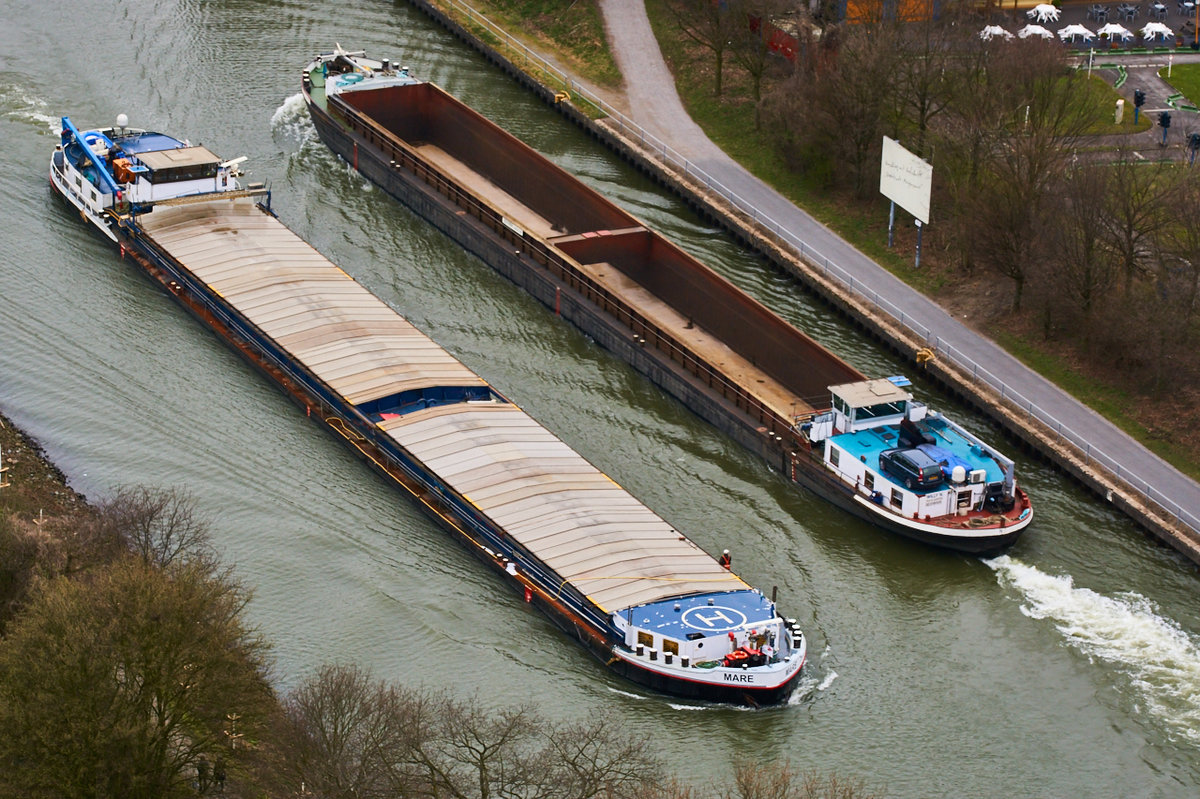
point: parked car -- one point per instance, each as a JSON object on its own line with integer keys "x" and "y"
{"x": 912, "y": 467}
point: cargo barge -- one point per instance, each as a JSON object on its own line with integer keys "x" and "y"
{"x": 866, "y": 445}
{"x": 650, "y": 603}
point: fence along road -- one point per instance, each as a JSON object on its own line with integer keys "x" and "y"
{"x": 662, "y": 128}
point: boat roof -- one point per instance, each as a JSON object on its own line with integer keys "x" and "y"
{"x": 362, "y": 73}
{"x": 545, "y": 496}
{"x": 950, "y": 446}
{"x": 147, "y": 141}
{"x": 865, "y": 393}
{"x": 704, "y": 614}
{"x": 178, "y": 157}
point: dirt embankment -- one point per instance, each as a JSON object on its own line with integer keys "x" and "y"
{"x": 34, "y": 490}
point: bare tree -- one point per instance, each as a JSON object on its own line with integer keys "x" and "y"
{"x": 1137, "y": 213}
{"x": 751, "y": 44}
{"x": 161, "y": 526}
{"x": 347, "y": 735}
{"x": 1084, "y": 269}
{"x": 973, "y": 126}
{"x": 1179, "y": 249}
{"x": 351, "y": 735}
{"x": 1045, "y": 114}
{"x": 927, "y": 74}
{"x": 838, "y": 103}
{"x": 711, "y": 26}
{"x": 598, "y": 759}
{"x": 756, "y": 780}
{"x": 1161, "y": 306}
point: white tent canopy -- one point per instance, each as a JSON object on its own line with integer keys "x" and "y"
{"x": 1153, "y": 29}
{"x": 1074, "y": 31}
{"x": 992, "y": 31}
{"x": 1115, "y": 31}
{"x": 1043, "y": 13}
{"x": 1035, "y": 30}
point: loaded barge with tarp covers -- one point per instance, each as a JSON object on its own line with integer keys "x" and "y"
{"x": 864, "y": 444}
{"x": 643, "y": 597}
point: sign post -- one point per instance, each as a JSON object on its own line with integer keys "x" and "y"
{"x": 906, "y": 180}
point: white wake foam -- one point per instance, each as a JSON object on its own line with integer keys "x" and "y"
{"x": 20, "y": 105}
{"x": 291, "y": 121}
{"x": 1160, "y": 660}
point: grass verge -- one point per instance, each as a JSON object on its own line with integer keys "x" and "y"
{"x": 1186, "y": 80}
{"x": 572, "y": 33}
{"x": 1113, "y": 402}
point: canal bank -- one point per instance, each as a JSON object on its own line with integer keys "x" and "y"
{"x": 1052, "y": 434}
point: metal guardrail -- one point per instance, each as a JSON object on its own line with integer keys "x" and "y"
{"x": 1014, "y": 399}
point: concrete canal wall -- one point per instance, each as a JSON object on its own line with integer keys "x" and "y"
{"x": 1035, "y": 436}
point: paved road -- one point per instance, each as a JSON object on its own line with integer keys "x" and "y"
{"x": 654, "y": 104}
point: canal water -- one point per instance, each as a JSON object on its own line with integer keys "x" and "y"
{"x": 1068, "y": 667}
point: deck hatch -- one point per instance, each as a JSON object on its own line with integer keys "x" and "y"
{"x": 418, "y": 399}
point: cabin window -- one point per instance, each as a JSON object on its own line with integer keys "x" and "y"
{"x": 646, "y": 639}
{"x": 897, "y": 498}
{"x": 670, "y": 646}
{"x": 869, "y": 480}
{"x": 883, "y": 409}
{"x": 834, "y": 454}
{"x": 188, "y": 172}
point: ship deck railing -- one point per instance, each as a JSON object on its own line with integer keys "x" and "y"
{"x": 250, "y": 192}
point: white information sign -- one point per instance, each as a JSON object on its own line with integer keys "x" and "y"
{"x": 905, "y": 179}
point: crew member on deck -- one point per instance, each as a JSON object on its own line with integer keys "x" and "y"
{"x": 726, "y": 560}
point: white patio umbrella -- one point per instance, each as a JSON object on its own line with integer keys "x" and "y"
{"x": 1034, "y": 30}
{"x": 1074, "y": 31}
{"x": 1043, "y": 13}
{"x": 992, "y": 31}
{"x": 1153, "y": 29}
{"x": 1115, "y": 31}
